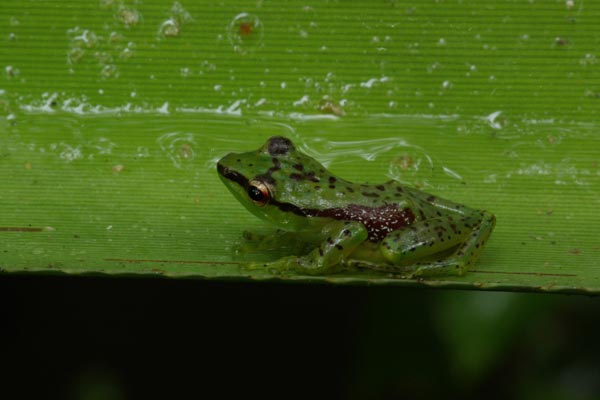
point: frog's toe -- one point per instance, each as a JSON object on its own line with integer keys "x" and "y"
{"x": 277, "y": 267}
{"x": 283, "y": 265}
{"x": 254, "y": 266}
{"x": 250, "y": 236}
{"x": 442, "y": 267}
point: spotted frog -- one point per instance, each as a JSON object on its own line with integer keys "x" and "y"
{"x": 387, "y": 227}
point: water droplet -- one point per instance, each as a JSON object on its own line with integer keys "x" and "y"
{"x": 245, "y": 33}
{"x": 86, "y": 39}
{"x": 128, "y": 16}
{"x": 180, "y": 14}
{"x": 179, "y": 148}
{"x": 127, "y": 52}
{"x": 109, "y": 71}
{"x": 328, "y": 106}
{"x": 588, "y": 59}
{"x": 171, "y": 27}
{"x": 74, "y": 55}
{"x": 115, "y": 37}
{"x": 11, "y": 72}
{"x": 70, "y": 153}
{"x": 103, "y": 57}
{"x": 82, "y": 40}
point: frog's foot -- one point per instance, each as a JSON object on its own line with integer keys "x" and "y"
{"x": 466, "y": 253}
{"x": 449, "y": 266}
{"x": 252, "y": 237}
{"x": 394, "y": 271}
{"x": 278, "y": 267}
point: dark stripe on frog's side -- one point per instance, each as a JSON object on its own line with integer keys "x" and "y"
{"x": 379, "y": 221}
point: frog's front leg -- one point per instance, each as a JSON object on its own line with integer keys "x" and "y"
{"x": 340, "y": 238}
{"x": 463, "y": 235}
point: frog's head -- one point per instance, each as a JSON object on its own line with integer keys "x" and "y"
{"x": 275, "y": 182}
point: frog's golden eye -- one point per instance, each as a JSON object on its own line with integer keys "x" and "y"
{"x": 258, "y": 192}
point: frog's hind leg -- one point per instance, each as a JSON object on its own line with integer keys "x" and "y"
{"x": 463, "y": 236}
{"x": 466, "y": 253}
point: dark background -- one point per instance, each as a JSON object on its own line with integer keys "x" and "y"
{"x": 121, "y": 338}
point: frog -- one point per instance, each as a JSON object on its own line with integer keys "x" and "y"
{"x": 388, "y": 227}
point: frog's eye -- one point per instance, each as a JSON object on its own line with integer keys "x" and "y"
{"x": 259, "y": 193}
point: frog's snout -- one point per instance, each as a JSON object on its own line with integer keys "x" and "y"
{"x": 231, "y": 175}
{"x": 221, "y": 169}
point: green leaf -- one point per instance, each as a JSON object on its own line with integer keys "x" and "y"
{"x": 113, "y": 113}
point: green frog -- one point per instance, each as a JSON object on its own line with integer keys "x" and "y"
{"x": 386, "y": 227}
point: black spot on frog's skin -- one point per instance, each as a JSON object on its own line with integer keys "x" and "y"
{"x": 380, "y": 187}
{"x": 331, "y": 186}
{"x": 298, "y": 167}
{"x": 349, "y": 189}
{"x": 430, "y": 198}
{"x": 317, "y": 187}
{"x": 311, "y": 177}
{"x": 279, "y": 146}
{"x": 332, "y": 179}
{"x": 399, "y": 189}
